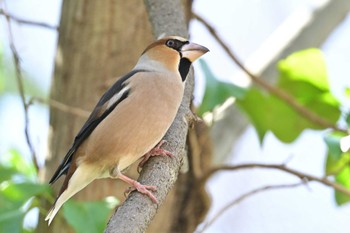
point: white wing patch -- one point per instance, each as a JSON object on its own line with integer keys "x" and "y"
{"x": 117, "y": 97}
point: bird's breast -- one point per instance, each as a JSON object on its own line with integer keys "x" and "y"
{"x": 137, "y": 124}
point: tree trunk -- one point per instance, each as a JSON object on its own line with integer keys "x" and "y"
{"x": 99, "y": 40}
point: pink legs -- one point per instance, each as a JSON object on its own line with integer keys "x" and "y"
{"x": 144, "y": 189}
{"x": 154, "y": 152}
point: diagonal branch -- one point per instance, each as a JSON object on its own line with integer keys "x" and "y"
{"x": 19, "y": 79}
{"x": 284, "y": 96}
{"x": 28, "y": 22}
{"x": 281, "y": 167}
{"x": 242, "y": 198}
{"x": 61, "y": 107}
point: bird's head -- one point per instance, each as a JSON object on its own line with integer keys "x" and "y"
{"x": 172, "y": 53}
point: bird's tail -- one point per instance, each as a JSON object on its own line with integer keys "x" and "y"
{"x": 82, "y": 176}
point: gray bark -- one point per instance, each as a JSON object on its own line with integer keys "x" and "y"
{"x": 136, "y": 213}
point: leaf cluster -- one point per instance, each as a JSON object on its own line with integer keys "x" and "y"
{"x": 302, "y": 75}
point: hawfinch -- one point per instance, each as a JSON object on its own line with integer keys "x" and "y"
{"x": 130, "y": 120}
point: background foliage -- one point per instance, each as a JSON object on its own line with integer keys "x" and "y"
{"x": 302, "y": 74}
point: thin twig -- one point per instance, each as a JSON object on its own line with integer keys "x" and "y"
{"x": 303, "y": 111}
{"x": 61, "y": 107}
{"x": 243, "y": 197}
{"x": 28, "y": 22}
{"x": 20, "y": 85}
{"x": 281, "y": 167}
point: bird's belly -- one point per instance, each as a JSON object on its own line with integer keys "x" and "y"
{"x": 126, "y": 135}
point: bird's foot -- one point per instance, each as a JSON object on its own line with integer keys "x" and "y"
{"x": 144, "y": 189}
{"x": 154, "y": 152}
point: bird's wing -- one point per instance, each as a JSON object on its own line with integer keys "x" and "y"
{"x": 110, "y": 99}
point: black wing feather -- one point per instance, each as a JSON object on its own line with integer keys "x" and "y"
{"x": 92, "y": 122}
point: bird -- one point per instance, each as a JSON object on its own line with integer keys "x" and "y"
{"x": 129, "y": 121}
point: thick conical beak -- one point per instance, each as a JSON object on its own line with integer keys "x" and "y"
{"x": 193, "y": 51}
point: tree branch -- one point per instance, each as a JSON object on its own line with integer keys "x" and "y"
{"x": 61, "y": 107}
{"x": 135, "y": 214}
{"x": 284, "y": 96}
{"x": 281, "y": 167}
{"x": 242, "y": 198}
{"x": 19, "y": 79}
{"x": 28, "y": 22}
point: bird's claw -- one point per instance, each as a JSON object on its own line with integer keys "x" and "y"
{"x": 157, "y": 150}
{"x": 144, "y": 189}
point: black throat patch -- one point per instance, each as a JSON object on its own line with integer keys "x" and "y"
{"x": 184, "y": 68}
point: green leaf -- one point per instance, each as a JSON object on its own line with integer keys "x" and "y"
{"x": 334, "y": 166}
{"x": 12, "y": 221}
{"x": 302, "y": 75}
{"x": 216, "y": 92}
{"x": 333, "y": 143}
{"x": 17, "y": 190}
{"x": 336, "y": 159}
{"x": 255, "y": 105}
{"x": 343, "y": 178}
{"x": 347, "y": 119}
{"x": 88, "y": 216}
{"x": 15, "y": 199}
{"x": 11, "y": 213}
{"x": 347, "y": 92}
{"x": 267, "y": 112}
{"x": 306, "y": 66}
{"x": 14, "y": 160}
{"x": 6, "y": 173}
{"x": 337, "y": 164}
{"x": 22, "y": 192}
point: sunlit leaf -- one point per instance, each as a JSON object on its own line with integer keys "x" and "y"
{"x": 216, "y": 91}
{"x": 88, "y": 216}
{"x": 347, "y": 92}
{"x": 306, "y": 66}
{"x": 334, "y": 166}
{"x": 343, "y": 178}
{"x": 303, "y": 75}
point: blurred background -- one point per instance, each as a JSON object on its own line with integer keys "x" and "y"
{"x": 272, "y": 38}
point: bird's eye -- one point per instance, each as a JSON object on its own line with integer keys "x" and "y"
{"x": 170, "y": 43}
